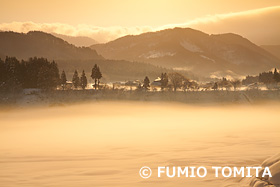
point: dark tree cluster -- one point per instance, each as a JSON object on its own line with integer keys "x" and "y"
{"x": 264, "y": 77}
{"x": 96, "y": 75}
{"x": 250, "y": 80}
{"x": 32, "y": 73}
{"x": 79, "y": 81}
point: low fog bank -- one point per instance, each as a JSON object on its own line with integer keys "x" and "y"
{"x": 60, "y": 97}
{"x": 106, "y": 143}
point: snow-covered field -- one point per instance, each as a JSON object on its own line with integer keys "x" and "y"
{"x": 106, "y": 143}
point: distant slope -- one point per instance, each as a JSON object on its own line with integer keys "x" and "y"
{"x": 273, "y": 49}
{"x": 70, "y": 58}
{"x": 79, "y": 41}
{"x": 188, "y": 49}
{"x": 114, "y": 70}
{"x": 41, "y": 44}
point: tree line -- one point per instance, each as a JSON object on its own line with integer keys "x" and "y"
{"x": 31, "y": 73}
{"x": 264, "y": 77}
{"x": 39, "y": 73}
{"x": 77, "y": 81}
{"x": 43, "y": 74}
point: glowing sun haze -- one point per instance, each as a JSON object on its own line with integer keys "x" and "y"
{"x": 108, "y": 19}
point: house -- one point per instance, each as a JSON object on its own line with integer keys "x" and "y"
{"x": 156, "y": 82}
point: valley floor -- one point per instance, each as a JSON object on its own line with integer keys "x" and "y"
{"x": 33, "y": 97}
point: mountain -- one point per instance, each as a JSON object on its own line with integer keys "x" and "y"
{"x": 273, "y": 49}
{"x": 41, "y": 44}
{"x": 192, "y": 50}
{"x": 80, "y": 41}
{"x": 71, "y": 58}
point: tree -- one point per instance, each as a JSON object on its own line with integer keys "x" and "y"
{"x": 11, "y": 74}
{"x": 96, "y": 75}
{"x": 45, "y": 79}
{"x": 33, "y": 73}
{"x": 83, "y": 80}
{"x": 75, "y": 79}
{"x": 54, "y": 74}
{"x": 276, "y": 75}
{"x": 163, "y": 81}
{"x": 224, "y": 83}
{"x": 146, "y": 84}
{"x": 177, "y": 80}
{"x": 63, "y": 79}
{"x": 215, "y": 87}
{"x": 236, "y": 84}
{"x": 266, "y": 77}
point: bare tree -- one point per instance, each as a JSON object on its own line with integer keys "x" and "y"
{"x": 177, "y": 80}
{"x": 236, "y": 84}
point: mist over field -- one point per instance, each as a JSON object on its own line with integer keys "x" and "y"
{"x": 106, "y": 143}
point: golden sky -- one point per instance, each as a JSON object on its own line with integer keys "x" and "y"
{"x": 121, "y": 12}
{"x": 107, "y": 19}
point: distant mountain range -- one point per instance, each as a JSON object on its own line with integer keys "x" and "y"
{"x": 70, "y": 57}
{"x": 79, "y": 41}
{"x": 41, "y": 44}
{"x": 192, "y": 50}
{"x": 189, "y": 51}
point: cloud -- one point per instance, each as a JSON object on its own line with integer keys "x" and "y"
{"x": 260, "y": 26}
{"x": 101, "y": 34}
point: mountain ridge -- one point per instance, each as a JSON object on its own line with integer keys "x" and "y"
{"x": 41, "y": 44}
{"x": 193, "y": 50}
{"x": 79, "y": 41}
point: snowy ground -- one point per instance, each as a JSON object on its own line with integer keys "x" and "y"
{"x": 106, "y": 143}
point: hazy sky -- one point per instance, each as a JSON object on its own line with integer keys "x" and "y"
{"x": 109, "y": 19}
{"x": 121, "y": 12}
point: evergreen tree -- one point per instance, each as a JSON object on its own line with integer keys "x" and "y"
{"x": 146, "y": 84}
{"x": 99, "y": 76}
{"x": 163, "y": 81}
{"x": 54, "y": 75}
{"x": 276, "y": 75}
{"x": 63, "y": 79}
{"x": 96, "y": 75}
{"x": 44, "y": 78}
{"x": 33, "y": 73}
{"x": 75, "y": 79}
{"x": 83, "y": 80}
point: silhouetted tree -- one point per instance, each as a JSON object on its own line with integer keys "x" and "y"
{"x": 163, "y": 81}
{"x": 224, "y": 83}
{"x": 215, "y": 87}
{"x": 63, "y": 79}
{"x": 54, "y": 74}
{"x": 96, "y": 75}
{"x": 33, "y": 73}
{"x": 146, "y": 84}
{"x": 46, "y": 81}
{"x": 177, "y": 80}
{"x": 266, "y": 77}
{"x": 250, "y": 80}
{"x": 236, "y": 84}
{"x": 83, "y": 80}
{"x": 276, "y": 75}
{"x": 11, "y": 75}
{"x": 76, "y": 79}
